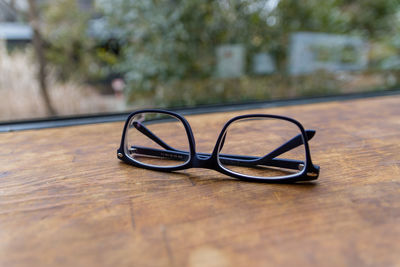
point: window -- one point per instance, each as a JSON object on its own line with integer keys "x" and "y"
{"x": 62, "y": 57}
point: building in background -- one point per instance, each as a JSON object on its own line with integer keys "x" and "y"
{"x": 14, "y": 29}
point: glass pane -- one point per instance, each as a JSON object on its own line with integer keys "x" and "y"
{"x": 117, "y": 56}
{"x": 250, "y": 148}
{"x": 157, "y": 139}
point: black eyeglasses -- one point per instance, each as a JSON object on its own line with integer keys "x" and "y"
{"x": 255, "y": 147}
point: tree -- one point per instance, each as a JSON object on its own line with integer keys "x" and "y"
{"x": 69, "y": 48}
{"x": 40, "y": 55}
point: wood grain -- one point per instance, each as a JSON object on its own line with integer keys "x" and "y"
{"x": 65, "y": 199}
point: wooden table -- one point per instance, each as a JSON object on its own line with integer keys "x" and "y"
{"x": 65, "y": 199}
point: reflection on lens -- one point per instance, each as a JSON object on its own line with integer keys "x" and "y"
{"x": 157, "y": 139}
{"x": 262, "y": 147}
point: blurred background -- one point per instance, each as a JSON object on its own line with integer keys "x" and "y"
{"x": 71, "y": 57}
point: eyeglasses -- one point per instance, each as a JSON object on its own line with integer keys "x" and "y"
{"x": 255, "y": 147}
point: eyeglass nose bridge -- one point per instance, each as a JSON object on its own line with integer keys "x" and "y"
{"x": 204, "y": 161}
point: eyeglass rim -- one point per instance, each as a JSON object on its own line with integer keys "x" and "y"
{"x": 268, "y": 116}
{"x": 309, "y": 171}
{"x": 189, "y": 134}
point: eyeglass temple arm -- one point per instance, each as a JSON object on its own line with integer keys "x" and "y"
{"x": 144, "y": 130}
{"x": 236, "y": 160}
{"x": 270, "y": 159}
{"x": 289, "y": 145}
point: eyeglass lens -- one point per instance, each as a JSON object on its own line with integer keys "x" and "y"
{"x": 157, "y": 139}
{"x": 259, "y": 147}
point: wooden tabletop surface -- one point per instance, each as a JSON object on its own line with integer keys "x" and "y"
{"x": 66, "y": 200}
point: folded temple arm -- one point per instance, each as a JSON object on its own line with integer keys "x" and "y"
{"x": 226, "y": 159}
{"x": 237, "y": 160}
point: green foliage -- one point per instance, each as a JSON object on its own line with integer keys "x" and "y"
{"x": 369, "y": 18}
{"x": 176, "y": 40}
{"x": 69, "y": 47}
{"x": 66, "y": 37}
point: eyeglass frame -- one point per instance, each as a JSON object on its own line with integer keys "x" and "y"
{"x": 309, "y": 170}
